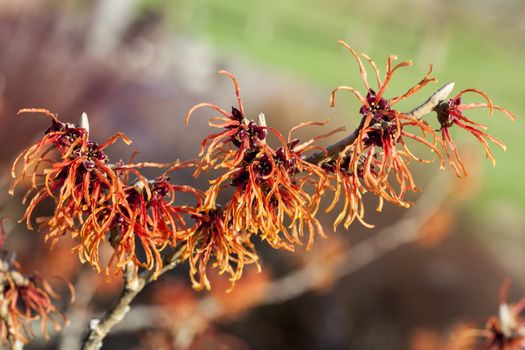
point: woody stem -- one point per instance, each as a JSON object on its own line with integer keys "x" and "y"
{"x": 134, "y": 283}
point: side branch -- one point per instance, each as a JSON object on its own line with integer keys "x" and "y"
{"x": 388, "y": 239}
{"x": 134, "y": 283}
{"x": 419, "y": 112}
{"x": 432, "y": 102}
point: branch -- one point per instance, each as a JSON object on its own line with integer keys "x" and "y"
{"x": 432, "y": 102}
{"x": 134, "y": 283}
{"x": 287, "y": 287}
{"x": 300, "y": 282}
{"x": 363, "y": 253}
{"x": 335, "y": 148}
{"x": 419, "y": 112}
{"x": 13, "y": 341}
{"x": 71, "y": 337}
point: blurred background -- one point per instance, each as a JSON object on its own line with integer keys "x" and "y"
{"x": 137, "y": 66}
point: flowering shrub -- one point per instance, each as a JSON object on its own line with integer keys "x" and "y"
{"x": 275, "y": 184}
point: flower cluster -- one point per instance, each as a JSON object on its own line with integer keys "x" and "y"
{"x": 97, "y": 201}
{"x": 213, "y": 241}
{"x": 270, "y": 197}
{"x": 275, "y": 187}
{"x": 24, "y": 299}
{"x": 377, "y": 160}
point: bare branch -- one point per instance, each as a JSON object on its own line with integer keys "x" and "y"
{"x": 134, "y": 283}
{"x": 71, "y": 337}
{"x": 363, "y": 253}
{"x": 433, "y": 101}
{"x": 99, "y": 328}
{"x": 301, "y": 281}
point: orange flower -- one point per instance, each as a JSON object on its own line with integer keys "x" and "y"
{"x": 148, "y": 216}
{"x": 24, "y": 299}
{"x": 348, "y": 181}
{"x": 451, "y": 114}
{"x": 152, "y": 215}
{"x": 94, "y": 202}
{"x": 379, "y": 155}
{"x": 213, "y": 241}
{"x": 270, "y": 197}
{"x": 507, "y": 331}
{"x": 66, "y": 166}
{"x": 227, "y": 148}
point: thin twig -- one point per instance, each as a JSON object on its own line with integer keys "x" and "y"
{"x": 433, "y": 101}
{"x": 134, "y": 283}
{"x": 71, "y": 337}
{"x": 335, "y": 148}
{"x": 12, "y": 340}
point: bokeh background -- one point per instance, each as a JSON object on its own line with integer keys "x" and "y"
{"x": 137, "y": 66}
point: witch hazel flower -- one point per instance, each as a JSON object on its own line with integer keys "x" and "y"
{"x": 270, "y": 197}
{"x": 149, "y": 217}
{"x": 214, "y": 243}
{"x": 94, "y": 200}
{"x": 238, "y": 135}
{"x": 451, "y": 114}
{"x": 69, "y": 168}
{"x": 506, "y": 331}
{"x": 379, "y": 156}
{"x": 24, "y": 299}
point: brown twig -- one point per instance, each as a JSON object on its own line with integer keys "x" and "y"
{"x": 78, "y": 314}
{"x": 134, "y": 283}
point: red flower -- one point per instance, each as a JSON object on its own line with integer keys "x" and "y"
{"x": 214, "y": 241}
{"x": 451, "y": 114}
{"x": 270, "y": 197}
{"x": 349, "y": 182}
{"x": 23, "y": 300}
{"x": 226, "y": 148}
{"x": 507, "y": 331}
{"x": 66, "y": 166}
{"x": 94, "y": 202}
{"x": 379, "y": 156}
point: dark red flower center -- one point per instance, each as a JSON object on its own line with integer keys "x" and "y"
{"x": 382, "y": 125}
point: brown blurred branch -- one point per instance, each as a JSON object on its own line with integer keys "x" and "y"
{"x": 402, "y": 232}
{"x": 71, "y": 337}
